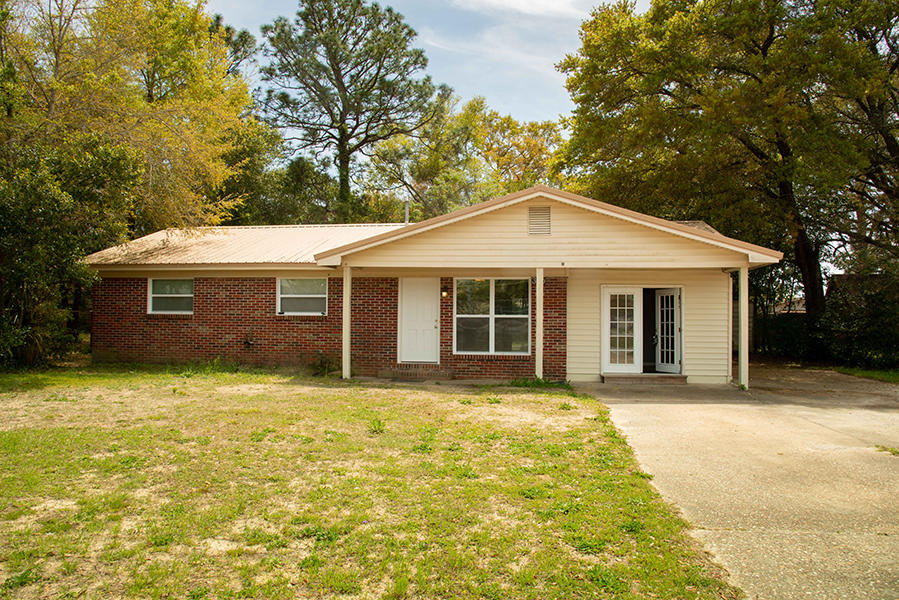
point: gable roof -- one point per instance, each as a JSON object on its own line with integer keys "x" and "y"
{"x": 757, "y": 255}
{"x": 237, "y": 245}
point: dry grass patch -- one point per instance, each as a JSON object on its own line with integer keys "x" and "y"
{"x": 205, "y": 484}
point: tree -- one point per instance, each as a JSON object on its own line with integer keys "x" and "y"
{"x": 713, "y": 110}
{"x": 463, "y": 156}
{"x": 241, "y": 43}
{"x": 520, "y": 154}
{"x": 146, "y": 74}
{"x": 439, "y": 169}
{"x": 859, "y": 48}
{"x": 118, "y": 118}
{"x": 301, "y": 192}
{"x": 343, "y": 78}
{"x": 56, "y": 204}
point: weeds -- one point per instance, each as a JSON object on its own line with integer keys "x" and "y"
{"x": 890, "y": 449}
{"x": 540, "y": 384}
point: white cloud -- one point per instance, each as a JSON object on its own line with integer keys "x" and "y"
{"x": 543, "y": 8}
{"x": 501, "y": 46}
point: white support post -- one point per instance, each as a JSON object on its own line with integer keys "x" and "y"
{"x": 730, "y": 328}
{"x": 744, "y": 327}
{"x": 347, "y": 321}
{"x": 538, "y": 327}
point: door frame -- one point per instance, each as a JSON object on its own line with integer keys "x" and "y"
{"x": 604, "y": 290}
{"x": 678, "y": 319}
{"x": 399, "y": 323}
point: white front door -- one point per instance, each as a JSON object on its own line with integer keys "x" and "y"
{"x": 668, "y": 331}
{"x": 419, "y": 326}
{"x": 622, "y": 323}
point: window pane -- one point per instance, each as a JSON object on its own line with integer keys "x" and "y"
{"x": 304, "y": 287}
{"x": 472, "y": 334}
{"x": 473, "y": 296}
{"x": 511, "y": 297}
{"x": 510, "y": 335}
{"x": 173, "y": 286}
{"x": 172, "y": 304}
{"x": 304, "y": 305}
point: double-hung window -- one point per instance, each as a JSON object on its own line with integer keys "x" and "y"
{"x": 493, "y": 316}
{"x": 171, "y": 296}
{"x": 303, "y": 296}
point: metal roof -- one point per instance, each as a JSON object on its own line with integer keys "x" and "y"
{"x": 273, "y": 244}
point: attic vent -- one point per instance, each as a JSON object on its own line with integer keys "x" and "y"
{"x": 538, "y": 220}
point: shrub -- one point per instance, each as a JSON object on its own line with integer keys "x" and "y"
{"x": 861, "y": 322}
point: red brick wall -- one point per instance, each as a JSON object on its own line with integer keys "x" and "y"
{"x": 555, "y": 322}
{"x": 228, "y": 314}
{"x": 231, "y": 312}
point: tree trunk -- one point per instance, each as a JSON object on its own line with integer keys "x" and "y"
{"x": 344, "y": 200}
{"x": 809, "y": 262}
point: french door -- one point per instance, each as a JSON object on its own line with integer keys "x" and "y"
{"x": 622, "y": 337}
{"x": 668, "y": 331}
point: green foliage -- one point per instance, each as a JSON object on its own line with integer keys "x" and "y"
{"x": 344, "y": 75}
{"x": 463, "y": 156}
{"x": 115, "y": 119}
{"x": 56, "y": 203}
{"x": 17, "y": 580}
{"x": 376, "y": 427}
{"x": 767, "y": 119}
{"x": 241, "y": 43}
{"x": 862, "y": 320}
{"x": 300, "y": 192}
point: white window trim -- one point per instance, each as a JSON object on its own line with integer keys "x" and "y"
{"x": 280, "y": 313}
{"x": 491, "y": 316}
{"x": 150, "y": 295}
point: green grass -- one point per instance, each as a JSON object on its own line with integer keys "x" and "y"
{"x": 890, "y": 449}
{"x": 267, "y": 484}
{"x": 540, "y": 384}
{"x": 887, "y": 375}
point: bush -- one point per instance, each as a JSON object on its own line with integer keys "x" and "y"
{"x": 861, "y": 322}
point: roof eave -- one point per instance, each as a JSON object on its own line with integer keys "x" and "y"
{"x": 335, "y": 255}
{"x": 204, "y": 266}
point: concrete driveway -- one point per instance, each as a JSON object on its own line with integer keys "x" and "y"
{"x": 783, "y": 483}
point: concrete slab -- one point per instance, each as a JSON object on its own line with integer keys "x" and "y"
{"x": 783, "y": 483}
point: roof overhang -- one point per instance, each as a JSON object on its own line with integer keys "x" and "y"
{"x": 113, "y": 268}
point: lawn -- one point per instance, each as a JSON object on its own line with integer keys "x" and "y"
{"x": 195, "y": 483}
{"x": 886, "y": 375}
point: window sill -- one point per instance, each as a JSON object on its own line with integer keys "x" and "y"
{"x": 494, "y": 354}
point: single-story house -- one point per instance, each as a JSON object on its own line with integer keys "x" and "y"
{"x": 541, "y": 282}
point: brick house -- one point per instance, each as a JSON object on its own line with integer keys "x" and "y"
{"x": 541, "y": 283}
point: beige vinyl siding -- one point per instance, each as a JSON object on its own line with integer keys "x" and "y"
{"x": 580, "y": 239}
{"x": 705, "y": 319}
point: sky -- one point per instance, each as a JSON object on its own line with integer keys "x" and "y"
{"x": 504, "y": 50}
